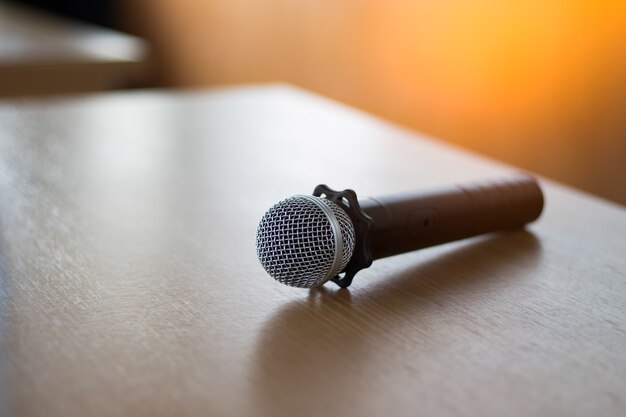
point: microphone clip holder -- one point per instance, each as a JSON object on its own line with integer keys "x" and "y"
{"x": 363, "y": 224}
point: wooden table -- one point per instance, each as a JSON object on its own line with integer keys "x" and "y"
{"x": 41, "y": 54}
{"x": 130, "y": 285}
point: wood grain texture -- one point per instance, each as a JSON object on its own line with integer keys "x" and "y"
{"x": 129, "y": 283}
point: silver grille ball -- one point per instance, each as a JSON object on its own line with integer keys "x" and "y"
{"x": 303, "y": 241}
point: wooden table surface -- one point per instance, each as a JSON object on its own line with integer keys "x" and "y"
{"x": 129, "y": 283}
{"x": 45, "y": 54}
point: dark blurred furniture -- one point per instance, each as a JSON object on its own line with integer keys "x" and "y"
{"x": 129, "y": 283}
{"x": 43, "y": 54}
{"x": 98, "y": 12}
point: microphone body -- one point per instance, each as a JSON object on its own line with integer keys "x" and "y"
{"x": 305, "y": 241}
{"x": 411, "y": 221}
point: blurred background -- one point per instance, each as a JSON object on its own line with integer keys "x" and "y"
{"x": 539, "y": 84}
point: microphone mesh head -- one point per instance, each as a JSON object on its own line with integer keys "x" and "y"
{"x": 297, "y": 241}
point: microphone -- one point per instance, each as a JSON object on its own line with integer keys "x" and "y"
{"x": 307, "y": 240}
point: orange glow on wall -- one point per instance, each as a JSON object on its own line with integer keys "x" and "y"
{"x": 540, "y": 84}
{"x": 505, "y": 60}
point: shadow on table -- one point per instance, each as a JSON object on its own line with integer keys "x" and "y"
{"x": 323, "y": 345}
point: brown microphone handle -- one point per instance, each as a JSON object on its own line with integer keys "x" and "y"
{"x": 411, "y": 221}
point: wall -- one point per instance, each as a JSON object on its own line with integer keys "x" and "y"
{"x": 538, "y": 84}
